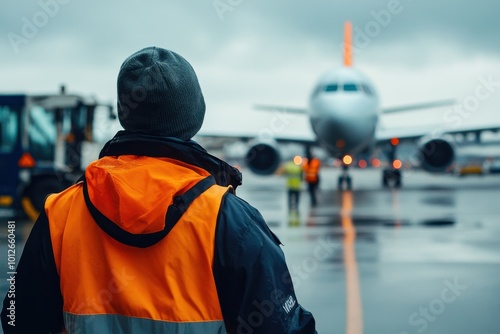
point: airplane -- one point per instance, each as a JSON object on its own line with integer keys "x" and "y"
{"x": 344, "y": 115}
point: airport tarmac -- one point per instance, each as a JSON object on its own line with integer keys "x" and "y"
{"x": 422, "y": 259}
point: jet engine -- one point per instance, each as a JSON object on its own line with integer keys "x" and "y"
{"x": 436, "y": 155}
{"x": 263, "y": 157}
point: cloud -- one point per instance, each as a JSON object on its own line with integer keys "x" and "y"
{"x": 262, "y": 52}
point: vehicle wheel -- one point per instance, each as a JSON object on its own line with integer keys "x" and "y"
{"x": 34, "y": 196}
{"x": 397, "y": 183}
{"x": 385, "y": 181}
{"x": 397, "y": 179}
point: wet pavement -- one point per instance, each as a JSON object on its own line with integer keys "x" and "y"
{"x": 422, "y": 259}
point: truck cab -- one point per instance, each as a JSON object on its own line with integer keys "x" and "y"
{"x": 46, "y": 142}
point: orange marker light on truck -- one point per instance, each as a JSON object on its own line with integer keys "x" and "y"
{"x": 26, "y": 161}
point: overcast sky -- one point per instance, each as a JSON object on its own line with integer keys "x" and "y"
{"x": 261, "y": 51}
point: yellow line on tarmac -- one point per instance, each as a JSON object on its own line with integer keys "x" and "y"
{"x": 354, "y": 320}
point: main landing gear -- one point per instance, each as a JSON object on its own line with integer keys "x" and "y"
{"x": 391, "y": 177}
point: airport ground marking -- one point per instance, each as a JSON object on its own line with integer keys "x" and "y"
{"x": 354, "y": 313}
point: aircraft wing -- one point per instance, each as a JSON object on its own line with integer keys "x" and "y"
{"x": 418, "y": 106}
{"x": 291, "y": 110}
{"x": 411, "y": 133}
{"x": 245, "y": 136}
{"x": 414, "y": 133}
{"x": 268, "y": 132}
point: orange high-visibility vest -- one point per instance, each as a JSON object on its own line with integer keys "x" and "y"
{"x": 110, "y": 287}
{"x": 311, "y": 170}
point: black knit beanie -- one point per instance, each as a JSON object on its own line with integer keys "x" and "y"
{"x": 159, "y": 93}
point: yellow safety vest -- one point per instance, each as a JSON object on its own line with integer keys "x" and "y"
{"x": 294, "y": 175}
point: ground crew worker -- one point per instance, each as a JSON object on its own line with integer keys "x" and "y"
{"x": 293, "y": 173}
{"x": 311, "y": 168}
{"x": 153, "y": 239}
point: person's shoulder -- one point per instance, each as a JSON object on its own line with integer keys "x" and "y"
{"x": 236, "y": 208}
{"x": 238, "y": 218}
{"x": 63, "y": 198}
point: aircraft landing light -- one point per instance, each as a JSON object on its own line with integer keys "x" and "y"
{"x": 297, "y": 160}
{"x": 347, "y": 160}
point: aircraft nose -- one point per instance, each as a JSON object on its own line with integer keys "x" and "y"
{"x": 336, "y": 129}
{"x": 344, "y": 130}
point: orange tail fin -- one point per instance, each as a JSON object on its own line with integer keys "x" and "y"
{"x": 348, "y": 44}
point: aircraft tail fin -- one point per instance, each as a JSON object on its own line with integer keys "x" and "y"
{"x": 347, "y": 44}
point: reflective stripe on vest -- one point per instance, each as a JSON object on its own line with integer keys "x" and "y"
{"x": 116, "y": 324}
{"x": 168, "y": 285}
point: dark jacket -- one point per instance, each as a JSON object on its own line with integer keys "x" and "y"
{"x": 253, "y": 282}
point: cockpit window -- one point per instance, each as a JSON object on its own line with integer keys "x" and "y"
{"x": 346, "y": 87}
{"x": 367, "y": 89}
{"x": 331, "y": 88}
{"x": 350, "y": 87}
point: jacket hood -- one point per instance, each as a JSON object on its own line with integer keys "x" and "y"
{"x": 142, "y": 184}
{"x": 134, "y": 192}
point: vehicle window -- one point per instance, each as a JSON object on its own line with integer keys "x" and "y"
{"x": 350, "y": 87}
{"x": 8, "y": 129}
{"x": 42, "y": 133}
{"x": 66, "y": 121}
{"x": 81, "y": 117}
{"x": 367, "y": 89}
{"x": 331, "y": 88}
{"x": 104, "y": 128}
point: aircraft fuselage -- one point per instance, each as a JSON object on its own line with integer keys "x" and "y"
{"x": 344, "y": 111}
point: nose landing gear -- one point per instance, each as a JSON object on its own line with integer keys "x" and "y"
{"x": 345, "y": 180}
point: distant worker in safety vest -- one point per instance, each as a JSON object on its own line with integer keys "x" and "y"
{"x": 311, "y": 168}
{"x": 294, "y": 175}
{"x": 153, "y": 239}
